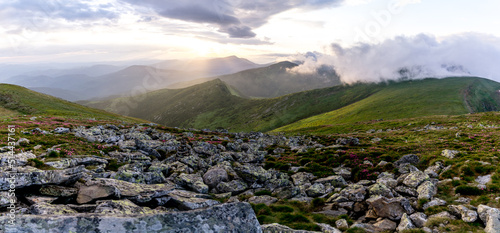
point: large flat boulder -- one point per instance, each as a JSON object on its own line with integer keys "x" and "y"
{"x": 231, "y": 217}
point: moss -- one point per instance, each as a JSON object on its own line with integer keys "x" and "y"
{"x": 468, "y": 190}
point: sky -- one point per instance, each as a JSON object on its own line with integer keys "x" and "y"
{"x": 347, "y": 34}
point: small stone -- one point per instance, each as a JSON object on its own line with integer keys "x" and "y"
{"x": 449, "y": 153}
{"x": 405, "y": 224}
{"x": 386, "y": 225}
{"x": 342, "y": 224}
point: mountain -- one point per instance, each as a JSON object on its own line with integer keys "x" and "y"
{"x": 94, "y": 70}
{"x": 60, "y": 93}
{"x": 448, "y": 96}
{"x": 209, "y": 67}
{"x": 274, "y": 80}
{"x": 216, "y": 104}
{"x": 15, "y": 100}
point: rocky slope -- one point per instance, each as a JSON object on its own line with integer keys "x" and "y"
{"x": 147, "y": 178}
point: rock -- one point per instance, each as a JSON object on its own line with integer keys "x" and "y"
{"x": 406, "y": 191}
{"x": 5, "y": 199}
{"x": 463, "y": 212}
{"x": 233, "y": 186}
{"x": 434, "y": 202}
{"x": 20, "y": 158}
{"x": 335, "y": 181}
{"x": 265, "y": 199}
{"x": 58, "y": 191}
{"x": 120, "y": 207}
{"x": 286, "y": 192}
{"x": 449, "y": 153}
{"x": 87, "y": 194}
{"x": 22, "y": 177}
{"x": 302, "y": 178}
{"x": 34, "y": 199}
{"x": 388, "y": 182}
{"x": 252, "y": 173}
{"x": 212, "y": 219}
{"x": 483, "y": 179}
{"x": 490, "y": 217}
{"x": 444, "y": 214}
{"x": 61, "y": 130}
{"x": 434, "y": 171}
{"x": 22, "y": 142}
{"x": 366, "y": 227}
{"x": 410, "y": 158}
{"x": 347, "y": 141}
{"x": 426, "y": 190}
{"x": 354, "y": 192}
{"x": 325, "y": 228}
{"x": 73, "y": 162}
{"x": 44, "y": 208}
{"x": 275, "y": 227}
{"x": 414, "y": 179}
{"x": 214, "y": 176}
{"x": 405, "y": 224}
{"x": 345, "y": 172}
{"x": 463, "y": 200}
{"x": 419, "y": 219}
{"x": 380, "y": 190}
{"x": 140, "y": 177}
{"x": 392, "y": 208}
{"x": 342, "y": 224}
{"x": 193, "y": 182}
{"x": 386, "y": 225}
{"x": 316, "y": 190}
{"x": 186, "y": 200}
{"x": 406, "y": 168}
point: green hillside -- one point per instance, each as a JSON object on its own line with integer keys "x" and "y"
{"x": 449, "y": 96}
{"x": 214, "y": 105}
{"x": 16, "y": 100}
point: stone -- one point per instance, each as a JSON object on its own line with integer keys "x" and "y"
{"x": 392, "y": 208}
{"x": 61, "y": 130}
{"x": 316, "y": 190}
{"x": 419, "y": 219}
{"x": 386, "y": 225}
{"x": 405, "y": 224}
{"x": 140, "y": 177}
{"x": 21, "y": 159}
{"x": 406, "y": 191}
{"x": 325, "y": 228}
{"x": 34, "y": 199}
{"x": 406, "y": 168}
{"x": 44, "y": 208}
{"x": 449, "y": 153}
{"x": 235, "y": 187}
{"x": 87, "y": 194}
{"x": 434, "y": 202}
{"x": 186, "y": 200}
{"x": 5, "y": 198}
{"x": 389, "y": 182}
{"x": 345, "y": 172}
{"x": 414, "y": 179}
{"x": 193, "y": 182}
{"x": 444, "y": 214}
{"x": 22, "y": 142}
{"x": 120, "y": 207}
{"x": 22, "y": 177}
{"x": 426, "y": 190}
{"x": 335, "y": 181}
{"x": 366, "y": 227}
{"x": 342, "y": 224}
{"x": 211, "y": 219}
{"x": 490, "y": 217}
{"x": 463, "y": 212}
{"x": 483, "y": 179}
{"x": 58, "y": 191}
{"x": 354, "y": 192}
{"x": 251, "y": 173}
{"x": 264, "y": 199}
{"x": 275, "y": 227}
{"x": 410, "y": 158}
{"x": 380, "y": 190}
{"x": 302, "y": 178}
{"x": 74, "y": 162}
{"x": 214, "y": 176}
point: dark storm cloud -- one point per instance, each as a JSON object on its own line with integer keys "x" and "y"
{"x": 237, "y": 18}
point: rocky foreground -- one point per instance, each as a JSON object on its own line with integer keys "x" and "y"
{"x": 145, "y": 180}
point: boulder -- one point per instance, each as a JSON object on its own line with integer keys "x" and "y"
{"x": 335, "y": 181}
{"x": 252, "y": 173}
{"x": 405, "y": 224}
{"x": 354, "y": 192}
{"x": 380, "y": 190}
{"x": 419, "y": 219}
{"x": 234, "y": 186}
{"x": 265, "y": 199}
{"x": 316, "y": 190}
{"x": 345, "y": 172}
{"x": 275, "y": 227}
{"x": 386, "y": 225}
{"x": 426, "y": 190}
{"x": 35, "y": 199}
{"x": 342, "y": 224}
{"x": 301, "y": 178}
{"x": 44, "y": 208}
{"x": 58, "y": 191}
{"x": 140, "y": 177}
{"x": 434, "y": 202}
{"x": 463, "y": 212}
{"x": 449, "y": 153}
{"x": 414, "y": 179}
{"x": 61, "y": 130}
{"x": 120, "y": 207}
{"x": 490, "y": 217}
{"x": 22, "y": 177}
{"x": 214, "y": 176}
{"x": 73, "y": 162}
{"x": 211, "y": 219}
{"x": 327, "y": 228}
{"x": 193, "y": 182}
{"x": 392, "y": 208}
{"x": 20, "y": 158}
{"x": 186, "y": 200}
{"x": 410, "y": 158}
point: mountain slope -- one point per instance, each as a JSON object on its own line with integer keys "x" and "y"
{"x": 449, "y": 96}
{"x": 213, "y": 104}
{"x": 274, "y": 80}
{"x": 15, "y": 100}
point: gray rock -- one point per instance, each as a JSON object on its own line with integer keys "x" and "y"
{"x": 406, "y": 191}
{"x": 265, "y": 199}
{"x": 366, "y": 227}
{"x": 444, "y": 214}
{"x": 61, "y": 130}
{"x": 336, "y": 181}
{"x": 392, "y": 208}
{"x": 406, "y": 168}
{"x": 410, "y": 158}
{"x": 252, "y": 173}
{"x": 34, "y": 199}
{"x": 193, "y": 182}
{"x": 214, "y": 176}
{"x": 342, "y": 224}
{"x": 73, "y": 162}
{"x": 419, "y": 219}
{"x": 449, "y": 153}
{"x": 490, "y": 217}
{"x": 234, "y": 186}
{"x": 21, "y": 159}
{"x": 5, "y": 199}
{"x": 345, "y": 172}
{"x": 212, "y": 219}
{"x": 388, "y": 182}
{"x": 426, "y": 190}
{"x": 120, "y": 207}
{"x": 380, "y": 190}
{"x": 186, "y": 200}
{"x": 44, "y": 208}
{"x": 483, "y": 179}
{"x": 405, "y": 224}
{"x": 316, "y": 190}
{"x": 434, "y": 202}
{"x": 302, "y": 178}
{"x": 275, "y": 227}
{"x": 140, "y": 177}
{"x": 414, "y": 179}
{"x": 463, "y": 212}
{"x": 22, "y": 177}
{"x": 354, "y": 192}
{"x": 386, "y": 225}
{"x": 325, "y": 228}
{"x": 58, "y": 191}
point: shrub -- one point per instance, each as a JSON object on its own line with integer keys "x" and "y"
{"x": 468, "y": 190}
{"x": 317, "y": 202}
{"x": 261, "y": 209}
{"x": 294, "y": 218}
{"x": 281, "y": 208}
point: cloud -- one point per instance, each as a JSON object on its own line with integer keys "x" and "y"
{"x": 411, "y": 57}
{"x": 236, "y": 18}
